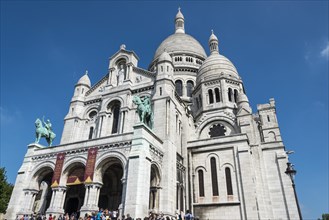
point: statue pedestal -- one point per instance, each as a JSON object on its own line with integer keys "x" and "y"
{"x": 35, "y": 146}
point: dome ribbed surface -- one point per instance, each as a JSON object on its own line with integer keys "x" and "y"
{"x": 180, "y": 42}
{"x": 85, "y": 80}
{"x": 214, "y": 65}
{"x": 165, "y": 57}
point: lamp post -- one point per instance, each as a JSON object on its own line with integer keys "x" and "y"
{"x": 291, "y": 172}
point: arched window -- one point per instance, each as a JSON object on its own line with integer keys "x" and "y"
{"x": 92, "y": 115}
{"x": 201, "y": 183}
{"x": 214, "y": 181}
{"x": 211, "y": 97}
{"x": 200, "y": 100}
{"x": 179, "y": 86}
{"x": 228, "y": 181}
{"x": 115, "y": 114}
{"x": 91, "y": 131}
{"x": 217, "y": 95}
{"x": 154, "y": 188}
{"x": 235, "y": 95}
{"x": 229, "y": 94}
{"x": 189, "y": 88}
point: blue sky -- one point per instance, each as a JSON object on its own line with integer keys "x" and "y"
{"x": 279, "y": 48}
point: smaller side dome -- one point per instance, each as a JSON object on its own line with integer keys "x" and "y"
{"x": 242, "y": 98}
{"x": 84, "y": 80}
{"x": 165, "y": 57}
{"x": 243, "y": 102}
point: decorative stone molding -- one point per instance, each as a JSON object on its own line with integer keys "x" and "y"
{"x": 104, "y": 79}
{"x": 84, "y": 150}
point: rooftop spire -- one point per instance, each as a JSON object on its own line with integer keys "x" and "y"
{"x": 213, "y": 43}
{"x": 179, "y": 22}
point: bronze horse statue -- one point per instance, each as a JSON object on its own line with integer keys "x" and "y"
{"x": 144, "y": 110}
{"x": 41, "y": 131}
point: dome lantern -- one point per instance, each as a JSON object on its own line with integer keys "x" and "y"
{"x": 179, "y": 22}
{"x": 213, "y": 43}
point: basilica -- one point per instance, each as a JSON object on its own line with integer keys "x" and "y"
{"x": 178, "y": 136}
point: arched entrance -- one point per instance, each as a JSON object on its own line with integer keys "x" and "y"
{"x": 75, "y": 189}
{"x": 111, "y": 192}
{"x": 43, "y": 198}
{"x": 154, "y": 188}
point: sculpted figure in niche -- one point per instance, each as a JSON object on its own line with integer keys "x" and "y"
{"x": 120, "y": 74}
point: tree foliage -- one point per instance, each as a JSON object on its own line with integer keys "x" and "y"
{"x": 5, "y": 190}
{"x": 325, "y": 216}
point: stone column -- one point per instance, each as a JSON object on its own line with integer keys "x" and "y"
{"x": 57, "y": 201}
{"x": 91, "y": 198}
{"x": 184, "y": 92}
{"x": 122, "y": 121}
{"x": 29, "y": 198}
{"x": 124, "y": 185}
{"x": 110, "y": 80}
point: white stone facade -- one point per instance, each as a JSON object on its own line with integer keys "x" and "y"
{"x": 207, "y": 151}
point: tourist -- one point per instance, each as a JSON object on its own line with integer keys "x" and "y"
{"x": 114, "y": 215}
{"x": 128, "y": 217}
{"x": 99, "y": 214}
{"x": 188, "y": 215}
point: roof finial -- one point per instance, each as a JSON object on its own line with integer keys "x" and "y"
{"x": 212, "y": 31}
{"x": 179, "y": 8}
{"x": 86, "y": 72}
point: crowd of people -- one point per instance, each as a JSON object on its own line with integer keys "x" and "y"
{"x": 108, "y": 215}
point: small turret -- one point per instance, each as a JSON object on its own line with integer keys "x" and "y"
{"x": 165, "y": 68}
{"x": 83, "y": 85}
{"x": 243, "y": 102}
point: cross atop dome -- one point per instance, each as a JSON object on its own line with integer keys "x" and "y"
{"x": 179, "y": 22}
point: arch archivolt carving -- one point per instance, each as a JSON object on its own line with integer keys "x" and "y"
{"x": 39, "y": 171}
{"x": 119, "y": 59}
{"x": 70, "y": 164}
{"x": 202, "y": 131}
{"x": 217, "y": 160}
{"x": 90, "y": 108}
{"x": 224, "y": 165}
{"x": 108, "y": 104}
{"x": 105, "y": 160}
{"x": 203, "y": 168}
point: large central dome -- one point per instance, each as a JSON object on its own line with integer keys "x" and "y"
{"x": 180, "y": 43}
{"x": 185, "y": 50}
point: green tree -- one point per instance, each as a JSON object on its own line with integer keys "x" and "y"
{"x": 5, "y": 190}
{"x": 325, "y": 216}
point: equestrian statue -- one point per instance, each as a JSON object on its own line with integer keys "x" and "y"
{"x": 144, "y": 110}
{"x": 44, "y": 131}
